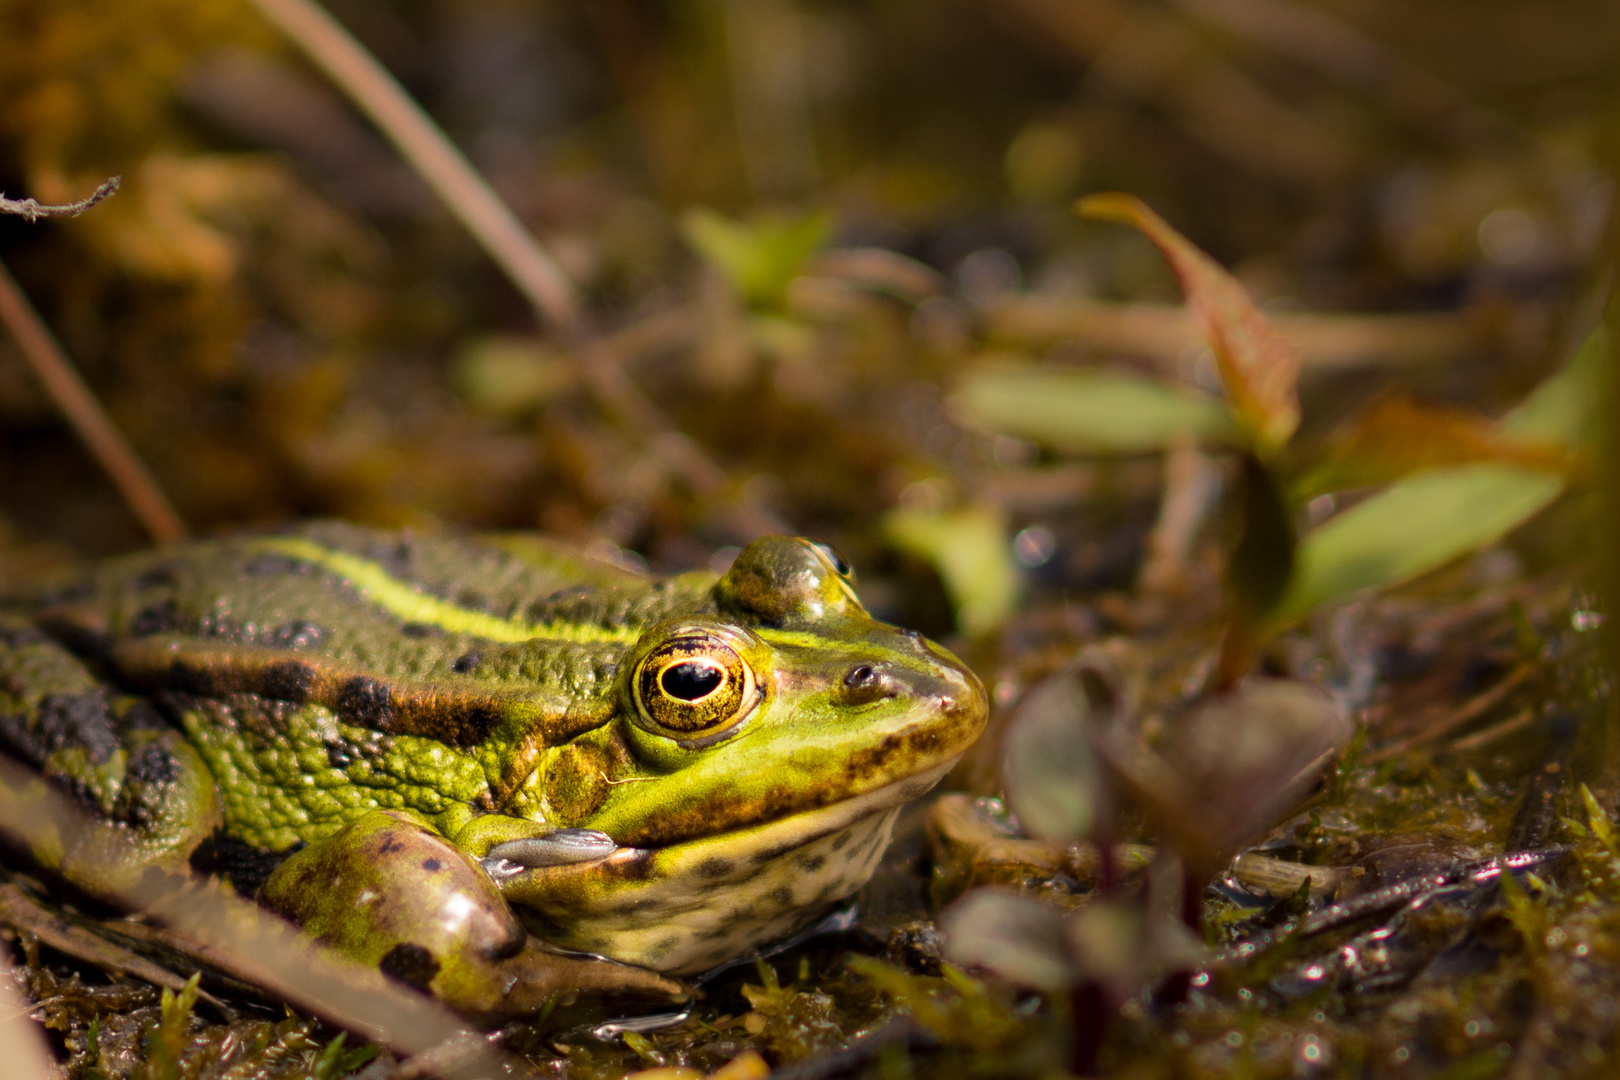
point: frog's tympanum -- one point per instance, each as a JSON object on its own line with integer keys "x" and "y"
{"x": 467, "y": 762}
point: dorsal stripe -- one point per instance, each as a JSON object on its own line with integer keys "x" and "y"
{"x": 409, "y": 604}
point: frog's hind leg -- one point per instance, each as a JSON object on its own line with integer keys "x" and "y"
{"x": 153, "y": 796}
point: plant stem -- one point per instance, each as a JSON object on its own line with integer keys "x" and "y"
{"x": 89, "y": 421}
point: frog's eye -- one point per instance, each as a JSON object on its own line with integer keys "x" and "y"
{"x": 839, "y": 563}
{"x": 692, "y": 686}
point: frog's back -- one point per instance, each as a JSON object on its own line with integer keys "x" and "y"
{"x": 427, "y": 670}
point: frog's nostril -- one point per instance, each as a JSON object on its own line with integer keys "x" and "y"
{"x": 864, "y": 684}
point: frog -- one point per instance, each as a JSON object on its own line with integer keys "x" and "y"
{"x": 493, "y": 767}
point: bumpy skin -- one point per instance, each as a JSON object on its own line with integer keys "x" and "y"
{"x": 361, "y": 697}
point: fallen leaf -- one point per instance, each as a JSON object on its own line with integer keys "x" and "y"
{"x": 1090, "y": 411}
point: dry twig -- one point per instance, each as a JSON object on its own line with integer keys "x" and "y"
{"x": 33, "y": 209}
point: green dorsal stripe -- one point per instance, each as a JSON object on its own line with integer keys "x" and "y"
{"x": 407, "y": 603}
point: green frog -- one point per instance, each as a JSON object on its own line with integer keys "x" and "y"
{"x": 494, "y": 768}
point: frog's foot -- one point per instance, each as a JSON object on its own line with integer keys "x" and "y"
{"x": 390, "y": 892}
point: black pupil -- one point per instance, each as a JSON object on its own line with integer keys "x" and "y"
{"x": 690, "y": 680}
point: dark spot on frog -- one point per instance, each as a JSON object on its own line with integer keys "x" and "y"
{"x": 839, "y": 841}
{"x": 247, "y": 868}
{"x": 151, "y": 771}
{"x": 432, "y": 865}
{"x": 421, "y": 630}
{"x": 473, "y": 600}
{"x": 63, "y": 721}
{"x": 164, "y": 575}
{"x": 714, "y": 867}
{"x": 153, "y": 763}
{"x": 781, "y": 896}
{"x": 160, "y": 618}
{"x": 409, "y": 964}
{"x": 467, "y": 662}
{"x": 812, "y": 863}
{"x": 367, "y": 702}
{"x": 287, "y": 680}
{"x": 275, "y": 566}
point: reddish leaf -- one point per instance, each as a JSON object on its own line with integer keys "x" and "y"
{"x": 1259, "y": 368}
{"x": 1395, "y": 436}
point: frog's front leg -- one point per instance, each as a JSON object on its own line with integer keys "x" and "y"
{"x": 391, "y": 892}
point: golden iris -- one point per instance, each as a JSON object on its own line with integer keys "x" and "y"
{"x": 693, "y": 684}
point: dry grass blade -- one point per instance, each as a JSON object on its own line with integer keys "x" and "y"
{"x": 105, "y": 442}
{"x": 263, "y": 949}
{"x": 20, "y": 911}
{"x": 1163, "y": 333}
{"x": 33, "y": 209}
{"x": 467, "y": 195}
{"x": 1140, "y": 52}
{"x": 433, "y": 155}
{"x": 1466, "y": 713}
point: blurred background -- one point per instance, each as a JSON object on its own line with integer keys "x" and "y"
{"x": 797, "y": 225}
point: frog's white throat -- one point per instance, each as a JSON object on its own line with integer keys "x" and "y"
{"x": 691, "y": 906}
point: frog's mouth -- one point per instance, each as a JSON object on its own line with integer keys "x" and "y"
{"x": 684, "y": 907}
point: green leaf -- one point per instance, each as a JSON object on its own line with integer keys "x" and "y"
{"x": 969, "y": 548}
{"x": 166, "y": 1041}
{"x": 757, "y": 258}
{"x": 1090, "y": 411}
{"x": 338, "y": 1060}
{"x": 1431, "y": 517}
{"x": 1016, "y": 936}
{"x": 1412, "y": 527}
{"x": 1601, "y": 826}
{"x": 507, "y": 376}
{"x": 1560, "y": 410}
{"x": 1054, "y": 780}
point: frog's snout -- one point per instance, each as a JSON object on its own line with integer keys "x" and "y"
{"x": 948, "y": 692}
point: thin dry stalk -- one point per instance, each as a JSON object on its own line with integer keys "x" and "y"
{"x": 432, "y": 154}
{"x": 91, "y": 423}
{"x": 33, "y": 209}
{"x": 1464, "y": 714}
{"x": 1166, "y": 333}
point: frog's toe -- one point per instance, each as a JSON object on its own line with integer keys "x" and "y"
{"x": 539, "y": 976}
{"x": 560, "y": 848}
